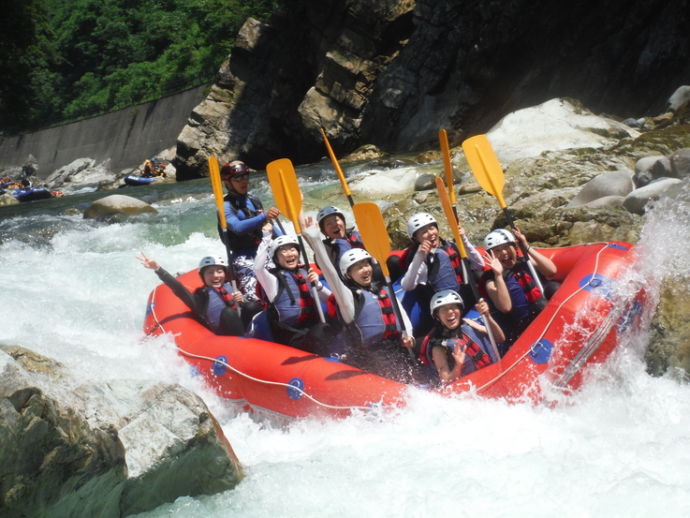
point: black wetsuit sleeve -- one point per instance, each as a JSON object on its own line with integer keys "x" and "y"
{"x": 178, "y": 289}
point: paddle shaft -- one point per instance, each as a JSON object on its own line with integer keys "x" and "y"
{"x": 448, "y": 167}
{"x": 217, "y": 186}
{"x": 470, "y": 276}
{"x": 338, "y": 169}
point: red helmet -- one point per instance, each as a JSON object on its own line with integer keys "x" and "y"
{"x": 234, "y": 169}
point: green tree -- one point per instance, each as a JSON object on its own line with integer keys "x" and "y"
{"x": 77, "y": 58}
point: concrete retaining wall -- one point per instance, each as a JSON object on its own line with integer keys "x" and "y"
{"x": 127, "y": 136}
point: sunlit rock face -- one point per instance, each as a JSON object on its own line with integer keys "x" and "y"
{"x": 391, "y": 73}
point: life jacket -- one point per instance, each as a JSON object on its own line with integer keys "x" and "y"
{"x": 444, "y": 266}
{"x": 244, "y": 207}
{"x": 335, "y": 248}
{"x": 476, "y": 355}
{"x": 526, "y": 299}
{"x": 375, "y": 319}
{"x": 216, "y": 305}
{"x": 353, "y": 237}
{"x": 293, "y": 305}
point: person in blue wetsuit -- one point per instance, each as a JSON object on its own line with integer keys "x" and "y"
{"x": 245, "y": 217}
{"x": 215, "y": 304}
{"x": 510, "y": 284}
{"x": 456, "y": 347}
{"x": 433, "y": 264}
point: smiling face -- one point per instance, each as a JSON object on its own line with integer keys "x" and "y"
{"x": 361, "y": 272}
{"x": 287, "y": 257}
{"x": 214, "y": 276}
{"x": 333, "y": 226}
{"x": 450, "y": 315}
{"x": 428, "y": 233}
{"x": 506, "y": 254}
{"x": 237, "y": 184}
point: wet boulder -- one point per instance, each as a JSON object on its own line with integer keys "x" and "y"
{"x": 650, "y": 168}
{"x": 636, "y": 201}
{"x": 680, "y": 163}
{"x": 679, "y": 99}
{"x": 102, "y": 449}
{"x": 614, "y": 183}
{"x": 117, "y": 205}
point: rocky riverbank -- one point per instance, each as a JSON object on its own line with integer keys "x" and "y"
{"x": 101, "y": 449}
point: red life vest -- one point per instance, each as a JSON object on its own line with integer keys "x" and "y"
{"x": 472, "y": 350}
{"x": 522, "y": 275}
{"x": 227, "y": 297}
{"x": 455, "y": 260}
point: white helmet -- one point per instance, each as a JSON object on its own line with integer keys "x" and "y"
{"x": 352, "y": 256}
{"x": 418, "y": 221}
{"x": 445, "y": 298}
{"x": 212, "y": 260}
{"x": 327, "y": 211}
{"x": 282, "y": 241}
{"x": 499, "y": 237}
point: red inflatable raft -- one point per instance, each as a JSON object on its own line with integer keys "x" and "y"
{"x": 580, "y": 326}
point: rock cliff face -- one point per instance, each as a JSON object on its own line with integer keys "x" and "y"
{"x": 391, "y": 72}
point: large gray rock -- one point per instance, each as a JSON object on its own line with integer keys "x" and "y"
{"x": 116, "y": 205}
{"x": 614, "y": 183}
{"x": 680, "y": 163}
{"x": 636, "y": 201}
{"x": 84, "y": 175}
{"x": 650, "y": 168}
{"x": 679, "y": 99}
{"x": 108, "y": 449}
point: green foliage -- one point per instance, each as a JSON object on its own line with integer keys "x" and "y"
{"x": 67, "y": 59}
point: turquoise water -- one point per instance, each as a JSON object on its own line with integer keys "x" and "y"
{"x": 73, "y": 290}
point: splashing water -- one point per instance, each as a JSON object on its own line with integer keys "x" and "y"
{"x": 618, "y": 447}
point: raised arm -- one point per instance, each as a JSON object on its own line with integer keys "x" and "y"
{"x": 343, "y": 295}
{"x": 268, "y": 281}
{"x": 543, "y": 264}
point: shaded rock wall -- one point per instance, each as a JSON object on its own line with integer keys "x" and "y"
{"x": 392, "y": 72}
{"x": 126, "y": 137}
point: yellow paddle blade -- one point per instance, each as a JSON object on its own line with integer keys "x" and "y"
{"x": 286, "y": 192}
{"x": 485, "y": 166}
{"x": 336, "y": 165}
{"x": 217, "y": 186}
{"x": 447, "y": 164}
{"x": 450, "y": 215}
{"x": 372, "y": 228}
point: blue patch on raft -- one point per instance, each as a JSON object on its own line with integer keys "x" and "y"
{"x": 220, "y": 366}
{"x": 295, "y": 388}
{"x": 541, "y": 351}
{"x": 599, "y": 285}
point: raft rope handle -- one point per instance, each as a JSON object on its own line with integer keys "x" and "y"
{"x": 250, "y": 377}
{"x": 546, "y": 327}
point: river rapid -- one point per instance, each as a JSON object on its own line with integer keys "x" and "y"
{"x": 73, "y": 290}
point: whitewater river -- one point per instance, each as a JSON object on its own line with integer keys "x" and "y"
{"x": 73, "y": 290}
